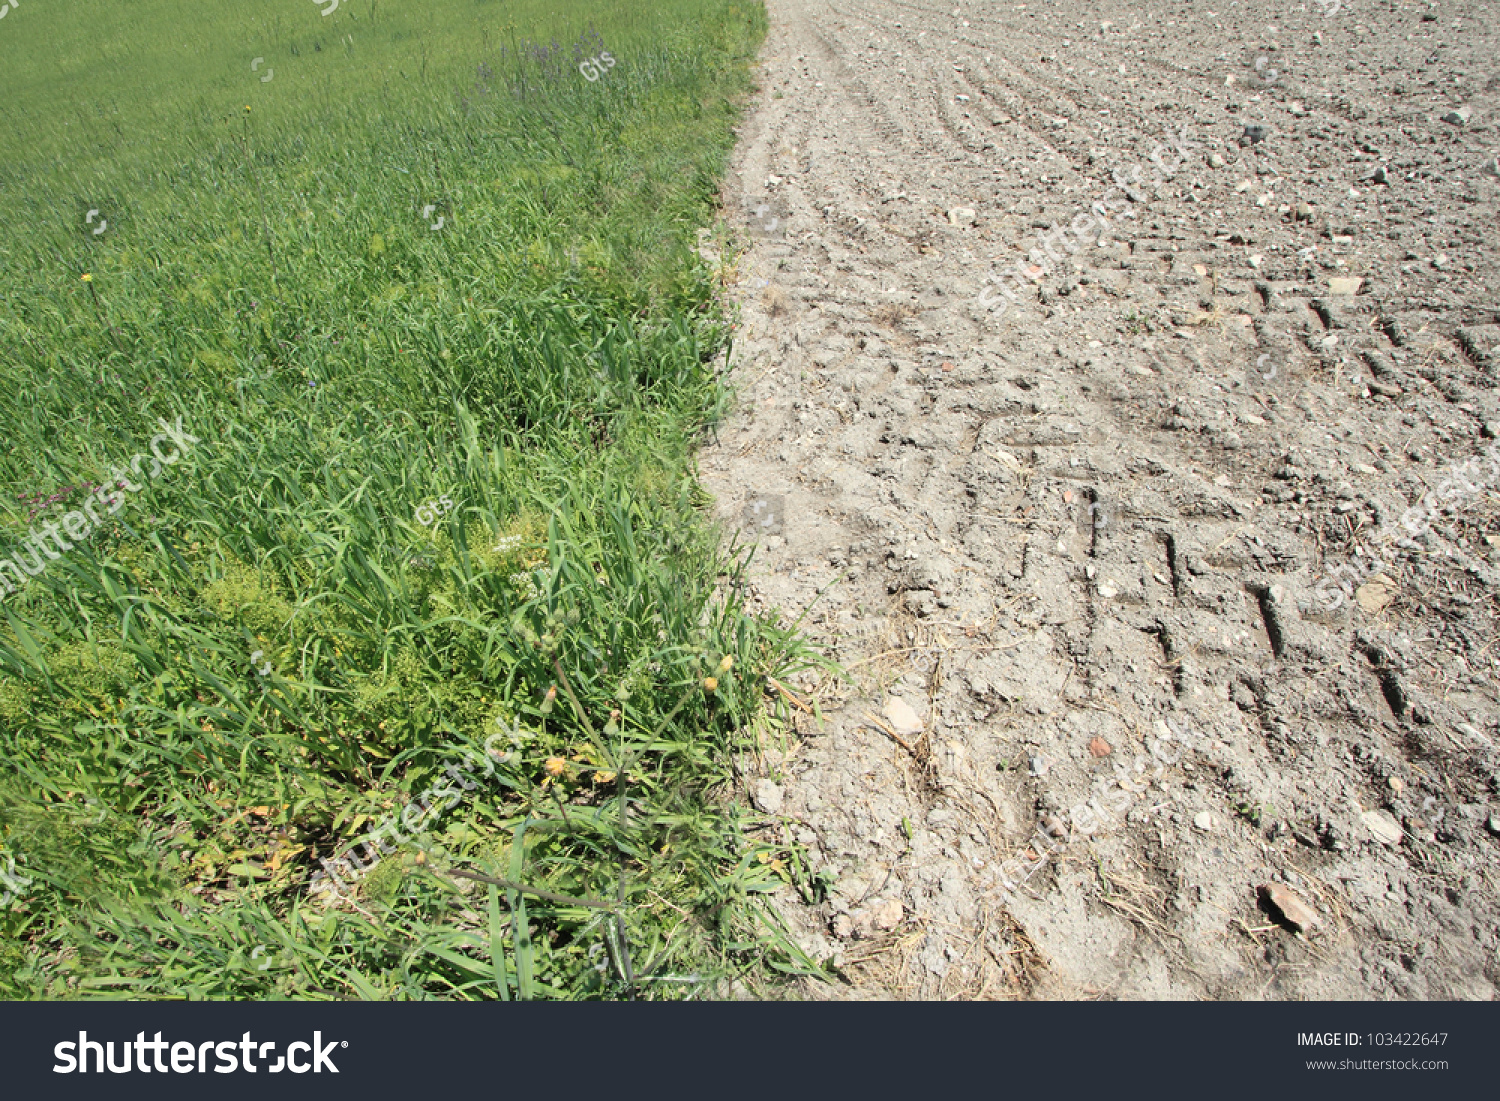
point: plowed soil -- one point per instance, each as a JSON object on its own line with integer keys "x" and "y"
{"x": 1123, "y": 532}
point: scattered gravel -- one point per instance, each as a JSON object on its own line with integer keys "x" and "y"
{"x": 1055, "y": 488}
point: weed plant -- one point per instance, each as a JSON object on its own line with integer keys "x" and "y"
{"x": 264, "y": 652}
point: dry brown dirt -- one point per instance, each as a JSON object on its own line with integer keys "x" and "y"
{"x": 1101, "y": 531}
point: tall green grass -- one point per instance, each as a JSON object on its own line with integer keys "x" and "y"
{"x": 544, "y": 359}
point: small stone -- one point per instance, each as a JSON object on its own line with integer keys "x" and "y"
{"x": 1298, "y": 914}
{"x": 1380, "y": 176}
{"x": 1054, "y": 826}
{"x": 900, "y": 715}
{"x": 1383, "y": 825}
{"x": 1099, "y": 747}
{"x": 1459, "y": 117}
{"x": 1203, "y": 821}
{"x": 962, "y": 216}
{"x": 1491, "y": 430}
{"x": 1375, "y": 595}
{"x": 1304, "y": 212}
{"x": 1345, "y": 285}
{"x": 1493, "y": 824}
{"x": 1215, "y": 161}
{"x": 1255, "y": 133}
{"x": 768, "y": 797}
{"x": 1395, "y": 784}
{"x": 1039, "y": 765}
{"x": 1492, "y": 168}
{"x": 887, "y": 915}
{"x": 843, "y": 926}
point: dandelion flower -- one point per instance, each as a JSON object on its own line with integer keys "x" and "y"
{"x": 87, "y": 278}
{"x": 727, "y": 664}
{"x": 710, "y": 683}
{"x": 603, "y": 777}
{"x": 555, "y": 766}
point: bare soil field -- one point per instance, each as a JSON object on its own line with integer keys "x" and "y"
{"x": 1117, "y": 402}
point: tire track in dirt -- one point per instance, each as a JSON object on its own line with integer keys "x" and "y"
{"x": 1075, "y": 531}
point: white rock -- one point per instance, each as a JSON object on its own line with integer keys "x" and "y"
{"x": 1383, "y": 825}
{"x": 1376, "y": 594}
{"x": 1203, "y": 821}
{"x": 887, "y": 915}
{"x": 768, "y": 796}
{"x": 900, "y": 715}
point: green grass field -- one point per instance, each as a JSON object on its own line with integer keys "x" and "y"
{"x": 426, "y": 297}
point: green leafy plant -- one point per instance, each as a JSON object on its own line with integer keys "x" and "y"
{"x": 268, "y": 653}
